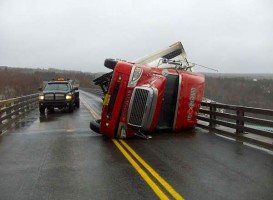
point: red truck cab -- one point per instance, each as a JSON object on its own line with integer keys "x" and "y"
{"x": 157, "y": 92}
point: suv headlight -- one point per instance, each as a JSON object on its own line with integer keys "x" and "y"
{"x": 135, "y": 76}
{"x": 68, "y": 97}
{"x": 41, "y": 97}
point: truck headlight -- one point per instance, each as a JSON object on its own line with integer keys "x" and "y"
{"x": 135, "y": 76}
{"x": 41, "y": 97}
{"x": 68, "y": 97}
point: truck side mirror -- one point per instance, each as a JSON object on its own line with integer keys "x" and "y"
{"x": 76, "y": 88}
{"x": 40, "y": 89}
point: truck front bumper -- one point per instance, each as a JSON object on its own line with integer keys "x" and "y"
{"x": 56, "y": 104}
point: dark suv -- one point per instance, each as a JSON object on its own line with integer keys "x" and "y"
{"x": 60, "y": 94}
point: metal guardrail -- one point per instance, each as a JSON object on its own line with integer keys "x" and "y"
{"x": 244, "y": 124}
{"x": 12, "y": 109}
{"x": 237, "y": 122}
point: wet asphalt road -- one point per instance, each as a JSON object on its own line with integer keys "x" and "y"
{"x": 58, "y": 157}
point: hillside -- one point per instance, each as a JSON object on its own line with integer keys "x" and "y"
{"x": 16, "y": 82}
{"x": 248, "y": 90}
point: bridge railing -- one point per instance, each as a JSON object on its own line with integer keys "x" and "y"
{"x": 12, "y": 109}
{"x": 244, "y": 124}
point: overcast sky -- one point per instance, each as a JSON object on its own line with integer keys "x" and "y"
{"x": 231, "y": 36}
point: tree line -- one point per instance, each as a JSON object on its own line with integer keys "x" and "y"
{"x": 246, "y": 91}
{"x": 15, "y": 82}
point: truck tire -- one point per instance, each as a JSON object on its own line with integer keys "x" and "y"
{"x": 110, "y": 63}
{"x": 42, "y": 109}
{"x": 95, "y": 126}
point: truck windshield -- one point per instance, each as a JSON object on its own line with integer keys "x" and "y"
{"x": 57, "y": 86}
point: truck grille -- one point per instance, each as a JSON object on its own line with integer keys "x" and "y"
{"x": 59, "y": 97}
{"x": 54, "y": 97}
{"x": 49, "y": 97}
{"x": 139, "y": 106}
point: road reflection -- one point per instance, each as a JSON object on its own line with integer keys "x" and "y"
{"x": 52, "y": 115}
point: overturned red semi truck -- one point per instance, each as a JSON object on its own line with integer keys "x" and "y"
{"x": 159, "y": 92}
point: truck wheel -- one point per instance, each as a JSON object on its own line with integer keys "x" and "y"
{"x": 95, "y": 126}
{"x": 42, "y": 109}
{"x": 110, "y": 63}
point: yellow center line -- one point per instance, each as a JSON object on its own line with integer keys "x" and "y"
{"x": 142, "y": 173}
{"x": 164, "y": 183}
{"x": 93, "y": 112}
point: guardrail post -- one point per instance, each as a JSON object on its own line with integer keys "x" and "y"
{"x": 30, "y": 103}
{"x": 212, "y": 116}
{"x": 23, "y": 105}
{"x": 26, "y": 104}
{"x": 1, "y": 122}
{"x": 240, "y": 122}
{"x": 10, "y": 111}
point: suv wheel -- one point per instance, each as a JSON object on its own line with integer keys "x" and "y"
{"x": 71, "y": 108}
{"x": 78, "y": 104}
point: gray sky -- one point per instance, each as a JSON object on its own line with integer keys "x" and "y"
{"x": 231, "y": 36}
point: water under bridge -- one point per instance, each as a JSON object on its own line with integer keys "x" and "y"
{"x": 57, "y": 156}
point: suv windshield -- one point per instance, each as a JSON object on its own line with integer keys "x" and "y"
{"x": 57, "y": 86}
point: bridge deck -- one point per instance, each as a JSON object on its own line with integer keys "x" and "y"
{"x": 59, "y": 157}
